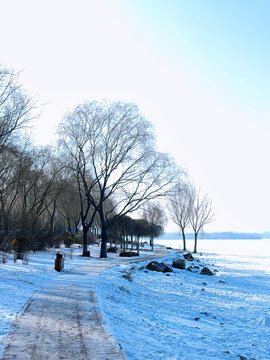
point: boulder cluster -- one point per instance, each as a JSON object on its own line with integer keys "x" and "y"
{"x": 180, "y": 263}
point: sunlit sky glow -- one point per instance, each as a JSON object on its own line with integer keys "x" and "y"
{"x": 199, "y": 70}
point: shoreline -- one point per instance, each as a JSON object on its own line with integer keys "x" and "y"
{"x": 216, "y": 313}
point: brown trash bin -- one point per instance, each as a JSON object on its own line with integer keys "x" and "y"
{"x": 59, "y": 262}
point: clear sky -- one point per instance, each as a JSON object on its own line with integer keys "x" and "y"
{"x": 199, "y": 70}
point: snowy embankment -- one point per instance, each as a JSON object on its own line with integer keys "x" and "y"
{"x": 185, "y": 315}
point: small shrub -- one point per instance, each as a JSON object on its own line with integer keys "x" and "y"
{"x": 77, "y": 239}
{"x": 56, "y": 241}
{"x": 112, "y": 250}
{"x": 20, "y": 246}
{"x": 4, "y": 258}
{"x": 68, "y": 239}
{"x": 68, "y": 242}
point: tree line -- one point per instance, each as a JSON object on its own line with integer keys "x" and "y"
{"x": 105, "y": 169}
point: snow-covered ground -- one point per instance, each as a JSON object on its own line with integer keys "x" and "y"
{"x": 18, "y": 282}
{"x": 154, "y": 316}
{"x": 188, "y": 316}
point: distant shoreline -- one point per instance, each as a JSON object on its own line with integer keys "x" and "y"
{"x": 217, "y": 236}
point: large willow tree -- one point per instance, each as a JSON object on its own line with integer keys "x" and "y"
{"x": 111, "y": 149}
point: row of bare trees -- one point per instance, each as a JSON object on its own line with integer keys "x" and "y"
{"x": 188, "y": 208}
{"x": 125, "y": 229}
{"x": 32, "y": 180}
{"x": 105, "y": 168}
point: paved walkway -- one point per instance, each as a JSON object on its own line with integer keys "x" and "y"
{"x": 61, "y": 321}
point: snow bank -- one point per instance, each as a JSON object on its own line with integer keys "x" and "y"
{"x": 184, "y": 315}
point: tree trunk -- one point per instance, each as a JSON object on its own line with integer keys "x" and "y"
{"x": 195, "y": 242}
{"x": 121, "y": 241}
{"x": 152, "y": 243}
{"x": 85, "y": 232}
{"x": 184, "y": 239}
{"x": 138, "y": 246}
{"x": 115, "y": 238}
{"x": 124, "y": 239}
{"x": 76, "y": 224}
{"x": 104, "y": 239}
{"x": 69, "y": 226}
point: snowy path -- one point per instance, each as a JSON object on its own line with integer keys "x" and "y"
{"x": 61, "y": 321}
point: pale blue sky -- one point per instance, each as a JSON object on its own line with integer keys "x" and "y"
{"x": 199, "y": 70}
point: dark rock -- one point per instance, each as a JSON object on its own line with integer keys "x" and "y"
{"x": 242, "y": 357}
{"x": 206, "y": 271}
{"x": 157, "y": 266}
{"x": 196, "y": 318}
{"x": 166, "y": 268}
{"x": 127, "y": 276}
{"x": 204, "y": 283}
{"x": 205, "y": 313}
{"x": 196, "y": 267}
{"x": 188, "y": 257}
{"x": 189, "y": 269}
{"x": 160, "y": 267}
{"x": 222, "y": 282}
{"x": 179, "y": 264}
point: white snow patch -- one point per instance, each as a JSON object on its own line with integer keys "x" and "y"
{"x": 263, "y": 321}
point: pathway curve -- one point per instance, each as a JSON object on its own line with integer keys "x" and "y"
{"x": 61, "y": 321}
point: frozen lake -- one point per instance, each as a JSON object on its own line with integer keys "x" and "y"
{"x": 252, "y": 254}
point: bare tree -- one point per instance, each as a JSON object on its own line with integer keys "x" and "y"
{"x": 114, "y": 145}
{"x": 200, "y": 214}
{"x": 180, "y": 207}
{"x": 156, "y": 220}
{"x": 38, "y": 191}
{"x": 15, "y": 106}
{"x": 68, "y": 204}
